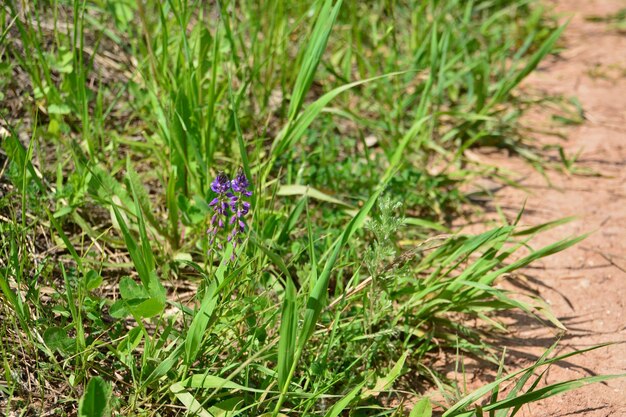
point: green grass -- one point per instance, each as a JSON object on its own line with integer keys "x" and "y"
{"x": 351, "y": 123}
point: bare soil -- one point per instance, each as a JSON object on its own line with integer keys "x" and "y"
{"x": 586, "y": 284}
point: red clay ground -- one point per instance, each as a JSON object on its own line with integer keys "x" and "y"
{"x": 585, "y": 285}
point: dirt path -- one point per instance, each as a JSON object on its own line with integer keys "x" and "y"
{"x": 586, "y": 285}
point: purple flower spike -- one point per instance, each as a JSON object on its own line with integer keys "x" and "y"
{"x": 220, "y": 186}
{"x": 229, "y": 204}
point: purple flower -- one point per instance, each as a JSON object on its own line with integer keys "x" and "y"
{"x": 220, "y": 186}
{"x": 239, "y": 206}
{"x": 221, "y": 183}
{"x": 230, "y": 198}
{"x": 240, "y": 184}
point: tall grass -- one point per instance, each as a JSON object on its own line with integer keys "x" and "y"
{"x": 126, "y": 112}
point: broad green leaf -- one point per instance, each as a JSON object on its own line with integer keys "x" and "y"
{"x": 96, "y": 399}
{"x": 146, "y": 308}
{"x": 56, "y": 338}
{"x": 136, "y": 300}
{"x": 130, "y": 290}
{"x": 228, "y": 407}
{"x": 422, "y": 409}
{"x": 59, "y": 109}
{"x": 92, "y": 280}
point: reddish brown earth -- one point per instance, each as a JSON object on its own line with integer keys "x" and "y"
{"x": 585, "y": 285}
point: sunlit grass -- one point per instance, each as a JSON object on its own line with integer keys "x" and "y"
{"x": 350, "y": 121}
